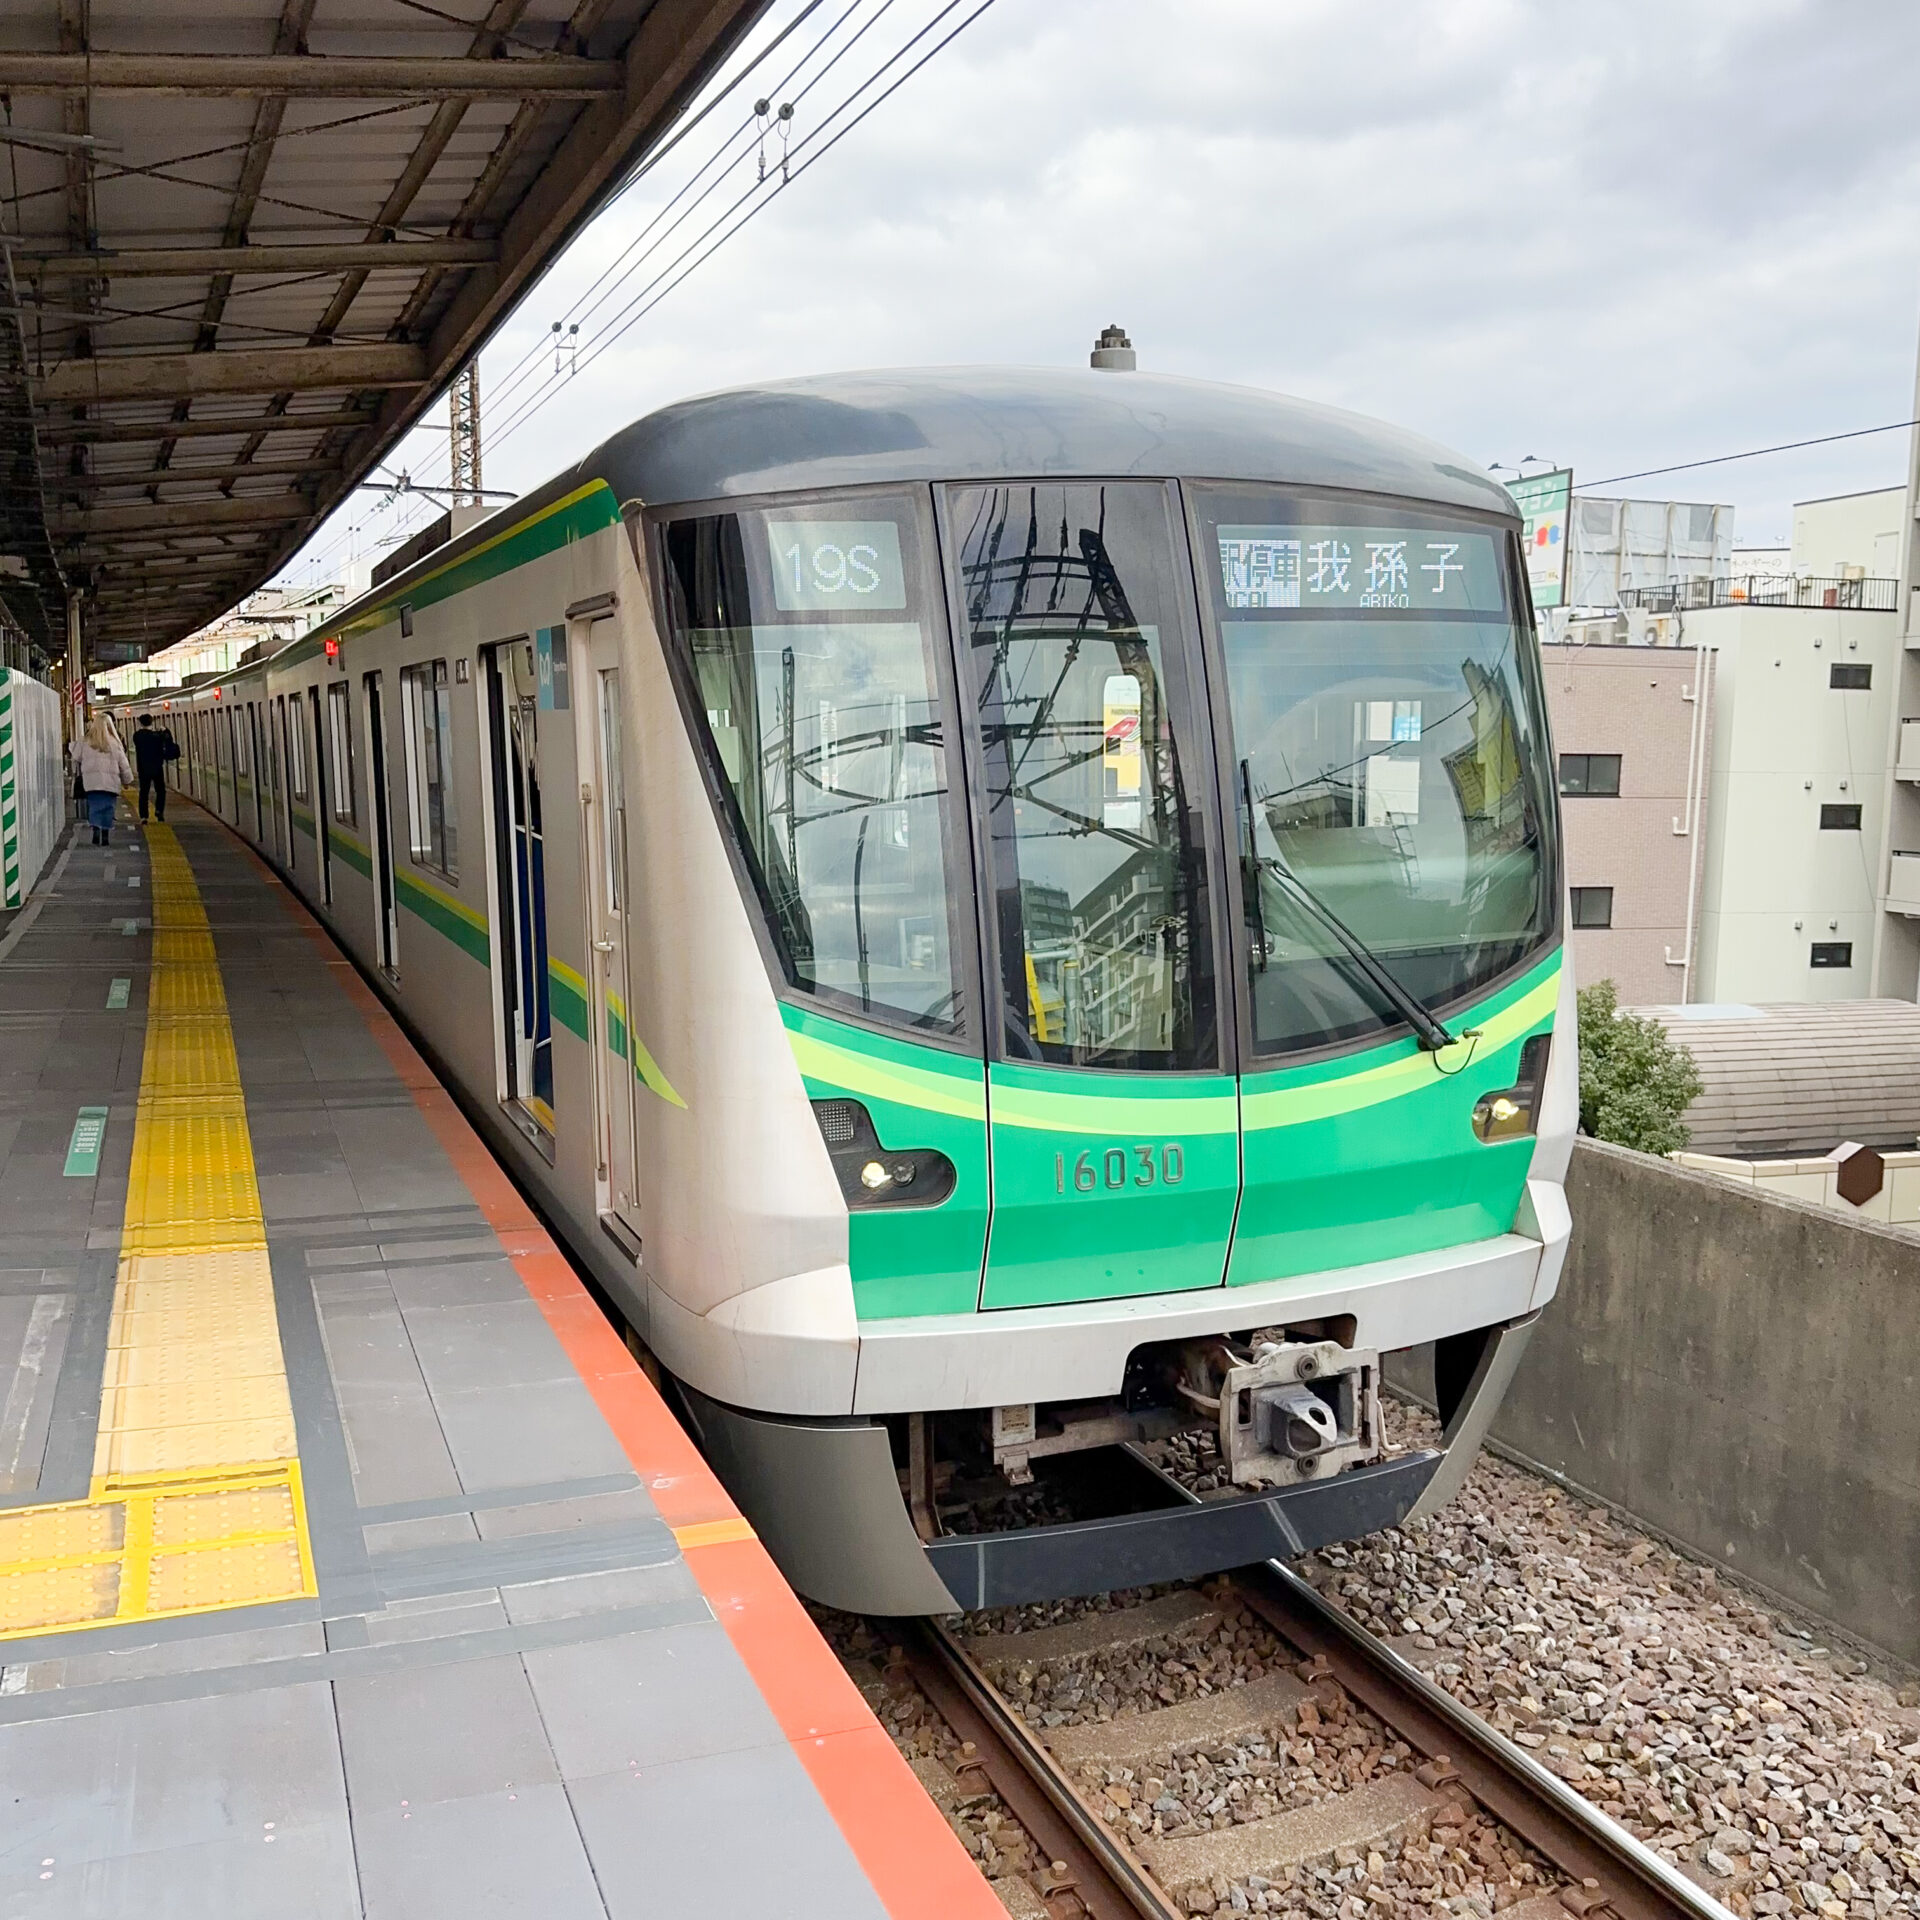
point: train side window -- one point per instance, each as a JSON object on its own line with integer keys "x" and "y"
{"x": 802, "y": 636}
{"x": 426, "y": 709}
{"x": 340, "y": 750}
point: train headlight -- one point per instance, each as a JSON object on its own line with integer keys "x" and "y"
{"x": 872, "y": 1173}
{"x": 1509, "y": 1114}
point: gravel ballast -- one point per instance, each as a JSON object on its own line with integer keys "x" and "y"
{"x": 1778, "y": 1772}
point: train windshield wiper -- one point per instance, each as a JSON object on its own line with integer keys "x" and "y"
{"x": 1429, "y": 1029}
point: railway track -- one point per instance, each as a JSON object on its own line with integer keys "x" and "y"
{"x": 1456, "y": 1776}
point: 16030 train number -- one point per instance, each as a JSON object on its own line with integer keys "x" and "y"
{"x": 1117, "y": 1167}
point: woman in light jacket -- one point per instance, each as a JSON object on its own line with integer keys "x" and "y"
{"x": 101, "y": 762}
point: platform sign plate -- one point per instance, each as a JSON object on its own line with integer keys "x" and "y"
{"x": 83, "y": 1150}
{"x": 117, "y": 995}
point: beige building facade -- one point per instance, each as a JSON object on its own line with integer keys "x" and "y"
{"x": 1626, "y": 724}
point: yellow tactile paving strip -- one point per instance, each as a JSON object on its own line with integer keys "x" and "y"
{"x": 195, "y": 1503}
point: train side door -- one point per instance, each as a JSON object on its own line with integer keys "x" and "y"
{"x": 620, "y": 1055}
{"x": 520, "y": 886}
{"x": 317, "y": 786}
{"x": 1113, "y": 1128}
{"x": 386, "y": 915}
{"x": 283, "y": 737}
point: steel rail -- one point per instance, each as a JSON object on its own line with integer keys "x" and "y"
{"x": 1508, "y": 1782}
{"x": 1102, "y": 1873}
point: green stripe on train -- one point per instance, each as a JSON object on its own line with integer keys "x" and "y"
{"x": 575, "y": 516}
{"x": 447, "y": 916}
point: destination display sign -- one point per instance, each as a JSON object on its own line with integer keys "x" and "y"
{"x": 821, "y": 566}
{"x": 1389, "y": 569}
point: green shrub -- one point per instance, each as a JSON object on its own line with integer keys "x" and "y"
{"x": 1635, "y": 1082}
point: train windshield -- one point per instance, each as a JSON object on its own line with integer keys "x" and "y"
{"x": 1388, "y": 755}
{"x": 804, "y": 636}
{"x": 1072, "y": 646}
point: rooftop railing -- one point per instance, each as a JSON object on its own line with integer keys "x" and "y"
{"x": 1766, "y": 590}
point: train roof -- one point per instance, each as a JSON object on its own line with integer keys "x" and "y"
{"x": 987, "y": 423}
{"x": 961, "y": 423}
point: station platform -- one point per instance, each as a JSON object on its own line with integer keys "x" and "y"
{"x": 349, "y": 1563}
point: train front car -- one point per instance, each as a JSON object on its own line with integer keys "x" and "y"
{"x": 1139, "y": 793}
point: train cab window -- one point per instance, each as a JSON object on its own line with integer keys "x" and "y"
{"x": 803, "y": 635}
{"x": 1388, "y": 769}
{"x": 1072, "y": 649}
{"x": 426, "y": 708}
{"x": 340, "y": 750}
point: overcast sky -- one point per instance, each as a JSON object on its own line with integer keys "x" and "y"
{"x": 1615, "y": 237}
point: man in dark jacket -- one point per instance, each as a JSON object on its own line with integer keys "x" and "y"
{"x": 152, "y": 749}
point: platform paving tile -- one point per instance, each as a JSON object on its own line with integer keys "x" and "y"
{"x": 648, "y": 1699}
{"x": 468, "y": 1280}
{"x": 493, "y": 1346}
{"x": 547, "y": 1431}
{"x": 770, "y": 1846}
{"x": 498, "y": 1856}
{"x": 183, "y": 1773}
{"x": 441, "y": 1733}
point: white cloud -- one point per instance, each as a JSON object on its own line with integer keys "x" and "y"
{"x": 1617, "y": 236}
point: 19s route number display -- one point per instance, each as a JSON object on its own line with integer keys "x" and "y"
{"x": 825, "y": 566}
{"x": 1114, "y": 1169}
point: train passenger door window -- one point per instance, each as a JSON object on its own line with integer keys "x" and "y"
{"x": 315, "y": 795}
{"x": 520, "y": 886}
{"x": 340, "y": 752}
{"x": 269, "y": 759}
{"x": 284, "y": 725}
{"x": 620, "y": 1048}
{"x": 1076, "y": 636}
{"x": 427, "y": 719}
{"x": 256, "y": 770}
{"x": 386, "y": 911}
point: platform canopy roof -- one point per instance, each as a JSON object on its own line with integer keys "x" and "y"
{"x": 248, "y": 242}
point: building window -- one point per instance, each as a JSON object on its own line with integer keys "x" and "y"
{"x": 426, "y": 706}
{"x": 1848, "y": 678}
{"x": 340, "y": 750}
{"x": 1839, "y": 819}
{"x": 1593, "y": 906}
{"x": 1831, "y": 953}
{"x": 1596, "y": 775}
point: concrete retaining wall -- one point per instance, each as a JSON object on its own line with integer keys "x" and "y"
{"x": 1743, "y": 1373}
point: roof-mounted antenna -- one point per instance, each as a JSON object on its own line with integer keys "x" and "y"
{"x": 1113, "y": 351}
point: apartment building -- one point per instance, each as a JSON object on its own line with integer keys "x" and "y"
{"x": 1896, "y": 953}
{"x": 1727, "y": 749}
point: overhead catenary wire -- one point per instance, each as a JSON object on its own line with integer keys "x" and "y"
{"x": 642, "y": 304}
{"x": 505, "y": 384}
{"x": 735, "y": 217}
{"x": 1752, "y": 453}
{"x": 742, "y": 137}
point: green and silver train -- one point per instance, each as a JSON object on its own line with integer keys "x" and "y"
{"x": 1013, "y": 920}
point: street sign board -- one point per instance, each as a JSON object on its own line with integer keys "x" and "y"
{"x": 1546, "y": 500}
